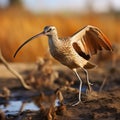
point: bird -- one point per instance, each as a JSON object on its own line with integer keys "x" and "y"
{"x": 76, "y": 50}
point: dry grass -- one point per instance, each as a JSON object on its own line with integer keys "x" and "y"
{"x": 16, "y": 26}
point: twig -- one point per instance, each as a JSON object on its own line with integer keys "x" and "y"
{"x": 14, "y": 72}
{"x": 22, "y": 107}
{"x": 2, "y": 115}
{"x": 103, "y": 83}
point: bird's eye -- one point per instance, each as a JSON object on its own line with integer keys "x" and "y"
{"x": 49, "y": 30}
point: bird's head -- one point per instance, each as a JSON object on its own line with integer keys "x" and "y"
{"x": 48, "y": 31}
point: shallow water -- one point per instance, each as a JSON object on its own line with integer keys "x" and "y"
{"x": 20, "y": 96}
{"x": 14, "y": 107}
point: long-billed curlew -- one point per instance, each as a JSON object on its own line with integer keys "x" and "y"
{"x": 75, "y": 51}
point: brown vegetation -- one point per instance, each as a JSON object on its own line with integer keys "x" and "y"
{"x": 16, "y": 26}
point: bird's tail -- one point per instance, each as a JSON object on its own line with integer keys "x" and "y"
{"x": 89, "y": 65}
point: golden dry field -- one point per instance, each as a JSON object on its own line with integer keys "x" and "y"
{"x": 17, "y": 25}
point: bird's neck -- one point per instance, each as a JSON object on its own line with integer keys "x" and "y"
{"x": 53, "y": 39}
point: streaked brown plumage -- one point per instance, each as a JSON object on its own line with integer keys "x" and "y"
{"x": 75, "y": 51}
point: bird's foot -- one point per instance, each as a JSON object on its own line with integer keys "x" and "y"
{"x": 89, "y": 86}
{"x": 77, "y": 103}
{"x": 90, "y": 83}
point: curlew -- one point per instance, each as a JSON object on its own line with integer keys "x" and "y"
{"x": 76, "y": 50}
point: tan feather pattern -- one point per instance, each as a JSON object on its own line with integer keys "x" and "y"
{"x": 90, "y": 39}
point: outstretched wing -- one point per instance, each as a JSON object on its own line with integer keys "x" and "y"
{"x": 89, "y": 40}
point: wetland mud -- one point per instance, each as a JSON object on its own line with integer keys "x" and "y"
{"x": 54, "y": 91}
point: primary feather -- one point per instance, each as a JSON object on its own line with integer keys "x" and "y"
{"x": 90, "y": 39}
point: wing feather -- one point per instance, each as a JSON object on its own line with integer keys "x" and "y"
{"x": 90, "y": 39}
{"x": 96, "y": 38}
{"x": 79, "y": 51}
{"x": 103, "y": 40}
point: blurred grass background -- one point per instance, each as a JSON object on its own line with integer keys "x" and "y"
{"x": 17, "y": 25}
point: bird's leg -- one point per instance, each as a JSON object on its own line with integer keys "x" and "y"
{"x": 80, "y": 87}
{"x": 88, "y": 82}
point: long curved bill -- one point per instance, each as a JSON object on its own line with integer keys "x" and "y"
{"x": 35, "y": 36}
